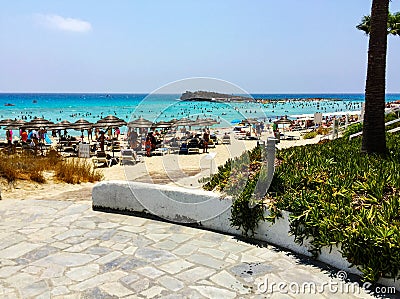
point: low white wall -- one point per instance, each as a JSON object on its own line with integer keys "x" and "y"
{"x": 208, "y": 210}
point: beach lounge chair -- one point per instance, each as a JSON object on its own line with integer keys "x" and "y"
{"x": 193, "y": 146}
{"x": 128, "y": 155}
{"x": 101, "y": 157}
{"x": 226, "y": 139}
{"x": 183, "y": 150}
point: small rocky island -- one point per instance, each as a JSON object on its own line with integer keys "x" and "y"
{"x": 210, "y": 96}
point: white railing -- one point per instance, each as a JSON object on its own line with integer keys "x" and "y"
{"x": 386, "y": 124}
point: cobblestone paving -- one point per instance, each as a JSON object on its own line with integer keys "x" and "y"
{"x": 60, "y": 249}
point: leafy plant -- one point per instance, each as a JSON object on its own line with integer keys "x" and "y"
{"x": 310, "y": 135}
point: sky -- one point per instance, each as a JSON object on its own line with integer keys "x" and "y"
{"x": 262, "y": 46}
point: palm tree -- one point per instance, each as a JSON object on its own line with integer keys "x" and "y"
{"x": 393, "y": 24}
{"x": 374, "y": 138}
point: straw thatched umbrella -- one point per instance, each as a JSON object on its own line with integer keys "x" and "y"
{"x": 16, "y": 124}
{"x": 184, "y": 122}
{"x": 140, "y": 123}
{"x": 81, "y": 124}
{"x": 283, "y": 121}
{"x": 6, "y": 122}
{"x": 38, "y": 122}
{"x": 109, "y": 122}
{"x": 162, "y": 124}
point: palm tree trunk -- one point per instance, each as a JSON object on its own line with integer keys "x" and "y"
{"x": 374, "y": 138}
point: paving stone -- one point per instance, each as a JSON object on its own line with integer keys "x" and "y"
{"x": 218, "y": 254}
{"x": 82, "y": 246}
{"x": 96, "y": 293}
{"x": 34, "y": 289}
{"x": 166, "y": 245}
{"x": 129, "y": 279}
{"x": 97, "y": 250}
{"x": 32, "y": 270}
{"x": 132, "y": 229}
{"x": 40, "y": 253}
{"x": 150, "y": 272}
{"x": 130, "y": 250}
{"x": 176, "y": 266}
{"x": 152, "y": 292}
{"x": 109, "y": 257}
{"x": 83, "y": 273}
{"x": 251, "y": 269}
{"x": 7, "y": 271}
{"x": 114, "y": 264}
{"x": 171, "y": 283}
{"x": 107, "y": 225}
{"x": 119, "y": 246}
{"x": 132, "y": 263}
{"x": 115, "y": 289}
{"x": 185, "y": 249}
{"x": 18, "y": 250}
{"x": 206, "y": 261}
{"x": 71, "y": 233}
{"x": 154, "y": 255}
{"x": 157, "y": 237}
{"x": 98, "y": 280}
{"x": 195, "y": 274}
{"x": 232, "y": 247}
{"x": 67, "y": 259}
{"x": 59, "y": 290}
{"x": 180, "y": 238}
{"x": 226, "y": 280}
{"x": 53, "y": 271}
{"x": 213, "y": 292}
{"x": 140, "y": 285}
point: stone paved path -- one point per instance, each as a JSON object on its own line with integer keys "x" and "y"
{"x": 60, "y": 249}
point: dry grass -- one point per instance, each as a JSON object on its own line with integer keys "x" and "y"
{"x": 75, "y": 171}
{"x": 27, "y": 166}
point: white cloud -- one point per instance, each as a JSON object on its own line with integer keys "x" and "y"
{"x": 65, "y": 24}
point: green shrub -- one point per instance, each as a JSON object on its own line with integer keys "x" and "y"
{"x": 336, "y": 195}
{"x": 352, "y": 129}
{"x": 310, "y": 135}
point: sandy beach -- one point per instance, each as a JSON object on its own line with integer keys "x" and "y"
{"x": 171, "y": 169}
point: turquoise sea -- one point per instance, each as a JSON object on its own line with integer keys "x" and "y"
{"x": 156, "y": 107}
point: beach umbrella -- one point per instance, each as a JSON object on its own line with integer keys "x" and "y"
{"x": 16, "y": 124}
{"x": 81, "y": 124}
{"x": 61, "y": 125}
{"x": 6, "y": 122}
{"x": 162, "y": 124}
{"x": 39, "y": 122}
{"x": 184, "y": 122}
{"x": 251, "y": 121}
{"x": 110, "y": 121}
{"x": 283, "y": 121}
{"x": 140, "y": 123}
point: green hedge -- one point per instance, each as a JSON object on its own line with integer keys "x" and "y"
{"x": 336, "y": 196}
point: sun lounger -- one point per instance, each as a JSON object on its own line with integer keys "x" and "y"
{"x": 161, "y": 151}
{"x": 101, "y": 157}
{"x": 128, "y": 155}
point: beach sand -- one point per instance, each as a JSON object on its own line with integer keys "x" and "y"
{"x": 171, "y": 169}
